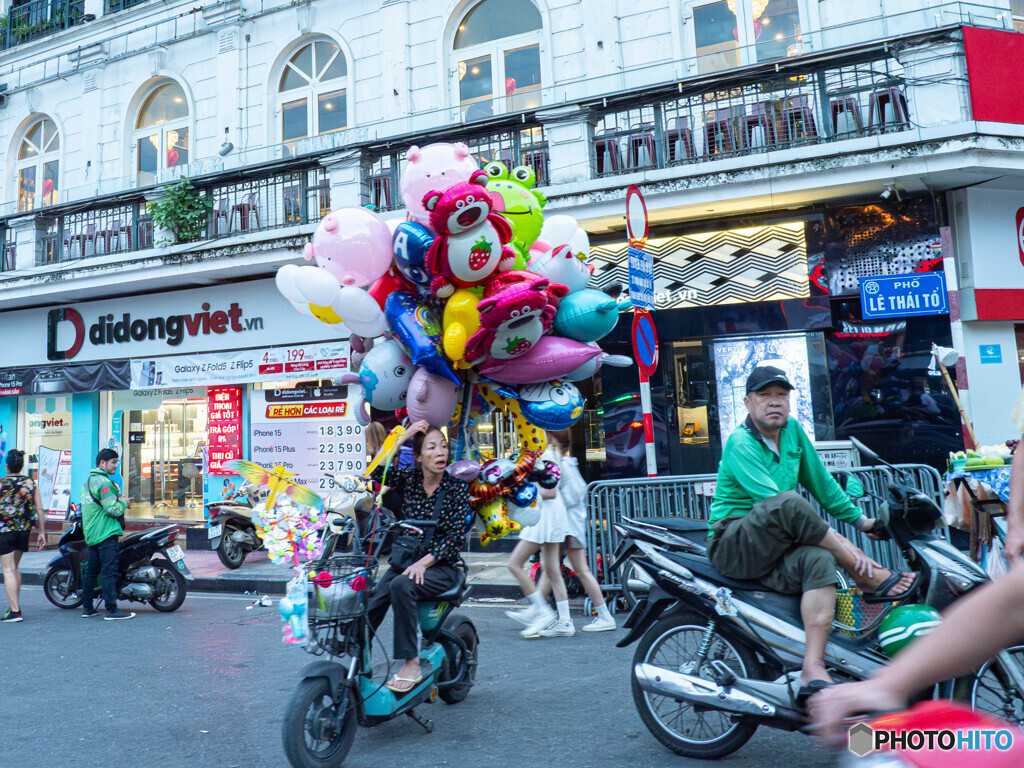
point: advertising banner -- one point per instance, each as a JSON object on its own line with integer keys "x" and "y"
{"x": 55, "y": 482}
{"x": 223, "y": 428}
{"x": 66, "y": 379}
{"x": 310, "y": 361}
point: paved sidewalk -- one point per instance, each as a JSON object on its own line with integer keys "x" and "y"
{"x": 487, "y": 573}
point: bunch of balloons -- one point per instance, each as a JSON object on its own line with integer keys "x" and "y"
{"x": 477, "y": 301}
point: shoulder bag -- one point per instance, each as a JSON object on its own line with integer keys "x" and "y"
{"x": 409, "y": 548}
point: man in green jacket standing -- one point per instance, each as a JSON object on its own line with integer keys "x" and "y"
{"x": 761, "y": 528}
{"x": 103, "y": 522}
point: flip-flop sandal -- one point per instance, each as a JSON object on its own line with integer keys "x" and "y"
{"x": 813, "y": 687}
{"x": 398, "y": 679}
{"x": 882, "y": 593}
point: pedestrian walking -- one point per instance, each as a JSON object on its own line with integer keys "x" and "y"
{"x": 563, "y": 521}
{"x": 103, "y": 511}
{"x": 19, "y": 504}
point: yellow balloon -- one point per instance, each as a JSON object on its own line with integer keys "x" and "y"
{"x": 460, "y": 321}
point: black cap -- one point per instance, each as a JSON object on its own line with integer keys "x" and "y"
{"x": 764, "y": 375}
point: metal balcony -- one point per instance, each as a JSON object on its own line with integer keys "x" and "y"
{"x": 34, "y": 19}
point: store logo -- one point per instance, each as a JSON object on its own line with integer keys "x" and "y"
{"x": 1020, "y": 234}
{"x": 872, "y": 287}
{"x": 53, "y": 320}
{"x": 172, "y": 328}
{"x": 36, "y": 423}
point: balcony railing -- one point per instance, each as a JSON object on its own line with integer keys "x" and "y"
{"x": 7, "y": 257}
{"x": 512, "y": 146}
{"x": 271, "y": 202}
{"x": 38, "y": 18}
{"x": 113, "y": 6}
{"x": 767, "y": 113}
{"x": 111, "y": 229}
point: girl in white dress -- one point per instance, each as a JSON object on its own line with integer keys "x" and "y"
{"x": 563, "y": 520}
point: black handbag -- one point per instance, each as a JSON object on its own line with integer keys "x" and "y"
{"x": 409, "y": 548}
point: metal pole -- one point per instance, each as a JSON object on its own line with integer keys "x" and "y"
{"x": 645, "y": 404}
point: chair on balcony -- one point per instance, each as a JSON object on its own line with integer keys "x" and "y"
{"x": 760, "y": 126}
{"x": 720, "y": 131}
{"x": 609, "y": 159}
{"x": 221, "y": 217}
{"x": 249, "y": 207}
{"x": 679, "y": 140}
{"x": 798, "y": 121}
{"x": 81, "y": 241}
{"x": 846, "y": 117}
{"x": 887, "y": 111}
{"x": 641, "y": 146}
{"x": 105, "y": 236}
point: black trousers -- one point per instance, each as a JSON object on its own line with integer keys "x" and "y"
{"x": 102, "y": 563}
{"x": 402, "y": 593}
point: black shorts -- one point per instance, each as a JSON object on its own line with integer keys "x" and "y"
{"x": 13, "y": 540}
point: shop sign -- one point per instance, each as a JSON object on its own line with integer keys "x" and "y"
{"x": 991, "y": 354}
{"x": 223, "y": 428}
{"x": 86, "y": 377}
{"x": 244, "y": 366}
{"x": 309, "y": 437}
{"x": 922, "y": 293}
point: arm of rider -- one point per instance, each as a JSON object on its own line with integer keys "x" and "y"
{"x": 416, "y": 570}
{"x": 816, "y": 478}
{"x": 954, "y": 648}
{"x": 1015, "y": 511}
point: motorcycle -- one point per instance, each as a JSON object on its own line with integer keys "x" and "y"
{"x": 231, "y": 531}
{"x": 719, "y": 657}
{"x": 334, "y": 696}
{"x": 142, "y": 578}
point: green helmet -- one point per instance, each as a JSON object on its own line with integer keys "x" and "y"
{"x": 905, "y": 623}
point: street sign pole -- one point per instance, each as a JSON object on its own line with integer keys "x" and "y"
{"x": 641, "y": 293}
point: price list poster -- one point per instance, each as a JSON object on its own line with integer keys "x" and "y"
{"x": 311, "y": 431}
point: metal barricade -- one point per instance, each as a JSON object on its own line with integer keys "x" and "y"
{"x": 690, "y": 496}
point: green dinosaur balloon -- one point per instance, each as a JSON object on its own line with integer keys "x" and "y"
{"x": 515, "y": 198}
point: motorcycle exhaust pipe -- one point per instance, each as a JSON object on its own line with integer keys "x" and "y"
{"x": 698, "y": 691}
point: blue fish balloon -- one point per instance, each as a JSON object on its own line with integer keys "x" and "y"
{"x": 417, "y": 330}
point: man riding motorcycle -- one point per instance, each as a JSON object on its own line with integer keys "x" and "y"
{"x": 762, "y": 529}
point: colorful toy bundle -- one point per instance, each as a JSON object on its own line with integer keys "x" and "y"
{"x": 476, "y": 302}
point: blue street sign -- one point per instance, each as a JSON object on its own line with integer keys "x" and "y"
{"x": 921, "y": 293}
{"x": 991, "y": 353}
{"x": 645, "y": 343}
{"x": 641, "y": 278}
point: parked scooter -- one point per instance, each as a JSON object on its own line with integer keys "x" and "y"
{"x": 231, "y": 531}
{"x": 719, "y": 657}
{"x": 142, "y": 577}
{"x": 334, "y": 697}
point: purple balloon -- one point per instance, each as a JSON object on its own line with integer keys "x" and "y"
{"x": 431, "y": 398}
{"x": 550, "y": 358}
{"x": 465, "y": 470}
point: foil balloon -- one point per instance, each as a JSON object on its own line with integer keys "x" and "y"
{"x": 564, "y": 230}
{"x": 435, "y": 166}
{"x": 551, "y": 405}
{"x": 517, "y": 310}
{"x": 497, "y": 523}
{"x": 416, "y": 328}
{"x": 551, "y": 358}
{"x": 461, "y": 319}
{"x": 586, "y": 315}
{"x": 353, "y": 244}
{"x": 560, "y": 265}
{"x": 532, "y": 439}
{"x": 523, "y": 496}
{"x": 431, "y": 398}
{"x": 384, "y": 375}
{"x": 525, "y": 514}
{"x": 315, "y": 292}
{"x": 589, "y": 368}
{"x": 410, "y": 244}
{"x": 497, "y": 470}
{"x": 465, "y": 470}
{"x": 472, "y": 242}
{"x": 515, "y": 198}
{"x": 391, "y": 281}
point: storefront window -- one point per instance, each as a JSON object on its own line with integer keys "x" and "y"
{"x": 47, "y": 424}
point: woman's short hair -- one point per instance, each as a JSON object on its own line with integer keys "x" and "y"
{"x": 420, "y": 437}
{"x": 15, "y": 461}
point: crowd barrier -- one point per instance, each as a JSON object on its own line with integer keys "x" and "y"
{"x": 690, "y": 496}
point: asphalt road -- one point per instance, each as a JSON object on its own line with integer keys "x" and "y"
{"x": 207, "y": 686}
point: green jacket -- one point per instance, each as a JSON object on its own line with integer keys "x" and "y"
{"x": 751, "y": 472}
{"x": 102, "y": 508}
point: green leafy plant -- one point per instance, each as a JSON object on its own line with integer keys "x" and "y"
{"x": 182, "y": 210}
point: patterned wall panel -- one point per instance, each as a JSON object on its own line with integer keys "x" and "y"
{"x": 735, "y": 266}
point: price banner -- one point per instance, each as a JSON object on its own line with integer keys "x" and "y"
{"x": 309, "y": 431}
{"x": 224, "y": 428}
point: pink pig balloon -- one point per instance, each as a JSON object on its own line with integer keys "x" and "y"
{"x": 353, "y": 244}
{"x": 435, "y": 166}
{"x": 431, "y": 398}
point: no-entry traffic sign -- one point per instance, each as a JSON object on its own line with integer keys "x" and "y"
{"x": 645, "y": 343}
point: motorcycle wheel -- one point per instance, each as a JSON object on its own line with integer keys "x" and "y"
{"x": 457, "y": 693}
{"x": 315, "y": 733}
{"x": 230, "y": 552}
{"x": 171, "y": 587}
{"x": 993, "y": 691}
{"x": 59, "y": 588}
{"x": 701, "y": 733}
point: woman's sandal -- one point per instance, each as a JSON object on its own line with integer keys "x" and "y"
{"x": 882, "y": 593}
{"x": 412, "y": 683}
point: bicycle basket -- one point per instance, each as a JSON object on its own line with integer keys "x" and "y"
{"x": 855, "y": 617}
{"x": 339, "y": 588}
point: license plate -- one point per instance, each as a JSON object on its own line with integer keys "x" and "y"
{"x": 175, "y": 553}
{"x": 215, "y": 531}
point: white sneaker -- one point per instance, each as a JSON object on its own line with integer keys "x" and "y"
{"x": 545, "y": 618}
{"x": 559, "y": 629}
{"x": 525, "y": 616}
{"x": 601, "y": 625}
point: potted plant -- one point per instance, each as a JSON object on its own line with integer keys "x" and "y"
{"x": 182, "y": 210}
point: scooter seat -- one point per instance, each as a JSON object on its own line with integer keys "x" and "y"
{"x": 677, "y": 524}
{"x": 453, "y": 594}
{"x": 131, "y": 538}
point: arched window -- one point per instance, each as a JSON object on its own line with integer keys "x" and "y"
{"x": 38, "y": 165}
{"x": 161, "y": 132}
{"x": 311, "y": 93}
{"x": 497, "y": 52}
{"x": 729, "y": 33}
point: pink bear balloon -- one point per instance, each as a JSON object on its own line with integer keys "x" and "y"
{"x": 436, "y": 166}
{"x": 353, "y": 244}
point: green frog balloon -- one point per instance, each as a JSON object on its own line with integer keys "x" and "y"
{"x": 515, "y": 198}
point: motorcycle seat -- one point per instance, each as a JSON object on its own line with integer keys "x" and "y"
{"x": 692, "y": 530}
{"x": 137, "y": 536}
{"x": 453, "y": 594}
{"x": 131, "y": 538}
